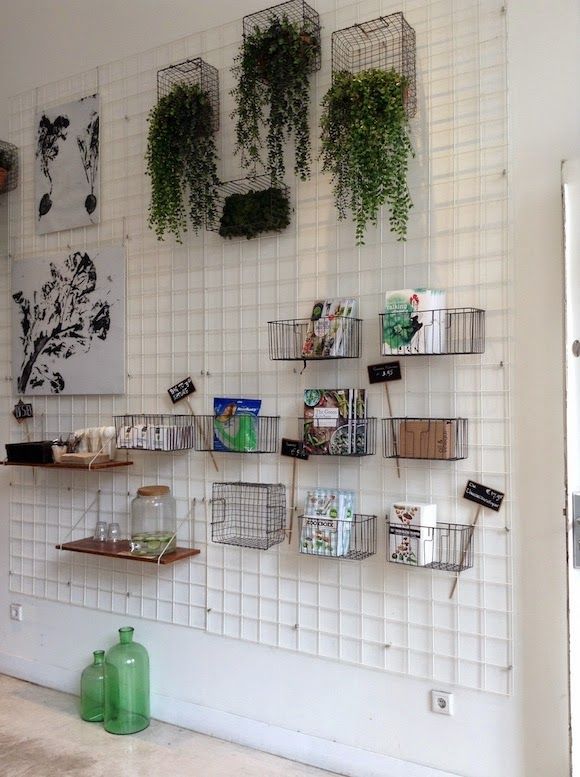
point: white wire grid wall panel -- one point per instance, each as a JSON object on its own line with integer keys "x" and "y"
{"x": 202, "y": 308}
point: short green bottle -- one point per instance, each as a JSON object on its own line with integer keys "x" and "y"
{"x": 93, "y": 688}
{"x": 126, "y": 686}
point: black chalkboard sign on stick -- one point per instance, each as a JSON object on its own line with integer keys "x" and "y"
{"x": 383, "y": 373}
{"x": 295, "y": 450}
{"x": 180, "y": 391}
{"x": 483, "y": 496}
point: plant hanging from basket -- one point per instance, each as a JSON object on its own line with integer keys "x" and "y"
{"x": 272, "y": 70}
{"x": 5, "y": 167}
{"x": 366, "y": 147}
{"x": 181, "y": 161}
{"x": 253, "y": 212}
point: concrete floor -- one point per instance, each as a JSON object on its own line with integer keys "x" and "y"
{"x": 42, "y": 735}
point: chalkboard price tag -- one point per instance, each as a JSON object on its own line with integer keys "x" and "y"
{"x": 488, "y": 497}
{"x": 381, "y": 373}
{"x": 294, "y": 449}
{"x": 181, "y": 390}
{"x": 22, "y": 411}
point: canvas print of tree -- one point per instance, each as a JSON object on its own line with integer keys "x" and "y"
{"x": 67, "y": 166}
{"x": 68, "y": 332}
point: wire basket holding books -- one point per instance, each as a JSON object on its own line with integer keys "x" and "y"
{"x": 353, "y": 437}
{"x": 446, "y": 546}
{"x": 239, "y": 433}
{"x": 303, "y": 339}
{"x": 432, "y": 332}
{"x": 155, "y": 432}
{"x": 435, "y": 439}
{"x": 353, "y": 539}
{"x": 249, "y": 515}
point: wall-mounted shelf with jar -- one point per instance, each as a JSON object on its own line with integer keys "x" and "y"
{"x": 122, "y": 549}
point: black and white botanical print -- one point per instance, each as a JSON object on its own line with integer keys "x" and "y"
{"x": 69, "y": 324}
{"x": 67, "y": 166}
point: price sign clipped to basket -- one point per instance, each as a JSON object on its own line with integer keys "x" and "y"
{"x": 295, "y": 450}
{"x": 483, "y": 496}
{"x": 22, "y": 411}
{"x": 180, "y": 391}
{"x": 384, "y": 373}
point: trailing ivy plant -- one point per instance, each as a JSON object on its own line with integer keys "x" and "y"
{"x": 272, "y": 89}
{"x": 254, "y": 212}
{"x": 181, "y": 161}
{"x": 366, "y": 147}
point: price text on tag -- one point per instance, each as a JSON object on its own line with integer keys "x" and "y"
{"x": 182, "y": 389}
{"x": 294, "y": 449}
{"x": 22, "y": 410}
{"x": 488, "y": 497}
{"x": 380, "y": 373}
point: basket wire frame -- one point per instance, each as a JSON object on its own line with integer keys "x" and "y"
{"x": 10, "y": 152}
{"x": 249, "y": 515}
{"x": 449, "y": 545}
{"x": 297, "y": 12}
{"x": 251, "y": 183}
{"x": 192, "y": 72}
{"x": 354, "y": 437}
{"x": 154, "y": 432}
{"x": 437, "y": 332}
{"x": 358, "y": 535}
{"x": 286, "y": 339}
{"x": 245, "y": 433}
{"x": 386, "y": 43}
{"x": 433, "y": 439}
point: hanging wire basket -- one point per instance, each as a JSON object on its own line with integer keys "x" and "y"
{"x": 250, "y": 515}
{"x": 447, "y": 546}
{"x": 271, "y": 197}
{"x": 8, "y": 167}
{"x": 192, "y": 72}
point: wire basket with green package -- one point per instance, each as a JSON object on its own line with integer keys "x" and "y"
{"x": 236, "y": 427}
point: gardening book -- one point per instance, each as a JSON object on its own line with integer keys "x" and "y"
{"x": 330, "y": 329}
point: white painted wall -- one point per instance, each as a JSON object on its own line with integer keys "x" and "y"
{"x": 198, "y": 676}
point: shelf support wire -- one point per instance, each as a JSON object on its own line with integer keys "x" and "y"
{"x": 189, "y": 517}
{"x": 96, "y": 501}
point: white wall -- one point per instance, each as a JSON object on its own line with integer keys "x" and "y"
{"x": 385, "y": 714}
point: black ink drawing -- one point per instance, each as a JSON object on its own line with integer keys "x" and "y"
{"x": 63, "y": 316}
{"x": 89, "y": 151}
{"x": 49, "y": 133}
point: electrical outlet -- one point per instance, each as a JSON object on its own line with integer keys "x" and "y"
{"x": 442, "y": 702}
{"x": 16, "y": 612}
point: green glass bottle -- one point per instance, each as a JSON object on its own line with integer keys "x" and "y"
{"x": 126, "y": 685}
{"x": 93, "y": 688}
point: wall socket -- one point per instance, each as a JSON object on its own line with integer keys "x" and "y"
{"x": 15, "y": 612}
{"x": 442, "y": 702}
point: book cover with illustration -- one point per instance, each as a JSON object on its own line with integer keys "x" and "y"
{"x": 331, "y": 421}
{"x": 330, "y": 328}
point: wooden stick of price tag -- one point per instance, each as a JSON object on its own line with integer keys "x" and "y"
{"x": 465, "y": 549}
{"x": 395, "y": 445}
{"x": 384, "y": 373}
{"x": 295, "y": 450}
{"x": 203, "y": 434}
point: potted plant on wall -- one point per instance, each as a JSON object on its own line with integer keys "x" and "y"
{"x": 181, "y": 161}
{"x": 366, "y": 147}
{"x": 272, "y": 89}
{"x": 249, "y": 214}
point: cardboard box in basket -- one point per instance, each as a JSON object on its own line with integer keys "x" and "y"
{"x": 427, "y": 438}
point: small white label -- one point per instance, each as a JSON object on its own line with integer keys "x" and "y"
{"x": 325, "y": 416}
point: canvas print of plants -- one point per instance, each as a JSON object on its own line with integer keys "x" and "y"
{"x": 69, "y": 324}
{"x": 67, "y": 166}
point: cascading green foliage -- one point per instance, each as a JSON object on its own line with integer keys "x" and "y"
{"x": 272, "y": 70}
{"x": 254, "y": 212}
{"x": 181, "y": 161}
{"x": 366, "y": 147}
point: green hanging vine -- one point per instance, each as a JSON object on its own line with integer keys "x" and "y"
{"x": 181, "y": 161}
{"x": 366, "y": 147}
{"x": 272, "y": 70}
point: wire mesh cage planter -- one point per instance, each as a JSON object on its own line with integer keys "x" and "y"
{"x": 8, "y": 167}
{"x": 249, "y": 515}
{"x": 251, "y": 206}
{"x": 354, "y": 539}
{"x": 155, "y": 432}
{"x": 434, "y": 439}
{"x": 192, "y": 72}
{"x": 355, "y": 437}
{"x": 432, "y": 332}
{"x": 240, "y": 433}
{"x": 447, "y": 546}
{"x": 386, "y": 43}
{"x": 302, "y": 339}
{"x": 297, "y": 12}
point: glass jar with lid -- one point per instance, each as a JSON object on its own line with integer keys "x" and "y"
{"x": 153, "y": 521}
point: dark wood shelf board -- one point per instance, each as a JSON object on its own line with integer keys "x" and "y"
{"x": 56, "y": 465}
{"x": 121, "y": 549}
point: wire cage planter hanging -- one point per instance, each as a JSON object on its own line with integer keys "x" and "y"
{"x": 8, "y": 167}
{"x": 192, "y": 72}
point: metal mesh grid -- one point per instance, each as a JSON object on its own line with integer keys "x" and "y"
{"x": 434, "y": 439}
{"x": 9, "y": 163}
{"x": 353, "y": 540}
{"x": 449, "y": 546}
{"x": 385, "y": 43}
{"x": 192, "y": 72}
{"x": 297, "y": 12}
{"x": 287, "y": 339}
{"x": 155, "y": 432}
{"x": 450, "y": 331}
{"x": 241, "y": 433}
{"x": 253, "y": 183}
{"x": 251, "y": 515}
{"x": 355, "y": 437}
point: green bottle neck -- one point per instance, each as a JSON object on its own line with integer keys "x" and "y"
{"x": 126, "y": 634}
{"x": 98, "y": 657}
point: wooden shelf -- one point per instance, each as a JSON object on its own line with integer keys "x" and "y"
{"x": 122, "y": 549}
{"x": 56, "y": 465}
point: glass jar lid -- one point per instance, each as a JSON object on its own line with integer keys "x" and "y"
{"x": 153, "y": 490}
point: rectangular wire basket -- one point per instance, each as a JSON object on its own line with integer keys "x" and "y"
{"x": 241, "y": 433}
{"x": 297, "y": 339}
{"x": 432, "y": 332}
{"x": 155, "y": 432}
{"x": 434, "y": 439}
{"x": 249, "y": 515}
{"x": 353, "y": 540}
{"x": 448, "y": 546}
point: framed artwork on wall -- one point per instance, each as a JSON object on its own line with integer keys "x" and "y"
{"x": 67, "y": 166}
{"x": 68, "y": 324}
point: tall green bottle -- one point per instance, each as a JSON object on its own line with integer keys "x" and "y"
{"x": 126, "y": 685}
{"x": 93, "y": 688}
